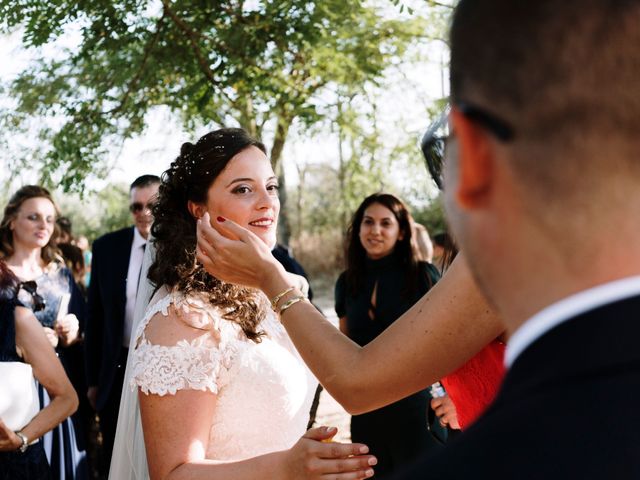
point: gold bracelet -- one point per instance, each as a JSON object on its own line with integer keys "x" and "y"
{"x": 291, "y": 302}
{"x": 274, "y": 301}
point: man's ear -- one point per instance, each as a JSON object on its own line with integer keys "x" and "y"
{"x": 475, "y": 161}
{"x": 195, "y": 209}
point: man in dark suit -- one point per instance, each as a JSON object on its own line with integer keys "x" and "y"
{"x": 542, "y": 191}
{"x": 115, "y": 270}
{"x": 290, "y": 264}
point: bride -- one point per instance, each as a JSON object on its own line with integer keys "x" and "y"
{"x": 217, "y": 389}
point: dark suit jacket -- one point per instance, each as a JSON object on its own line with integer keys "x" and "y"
{"x": 569, "y": 408}
{"x": 290, "y": 264}
{"x": 107, "y": 301}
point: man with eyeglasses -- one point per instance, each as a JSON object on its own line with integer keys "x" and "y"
{"x": 542, "y": 191}
{"x": 115, "y": 271}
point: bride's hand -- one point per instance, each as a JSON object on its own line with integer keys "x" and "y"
{"x": 234, "y": 254}
{"x": 312, "y": 458}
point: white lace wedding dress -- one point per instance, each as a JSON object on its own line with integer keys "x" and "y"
{"x": 263, "y": 390}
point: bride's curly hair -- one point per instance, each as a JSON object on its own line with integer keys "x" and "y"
{"x": 174, "y": 229}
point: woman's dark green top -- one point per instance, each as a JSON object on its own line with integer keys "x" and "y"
{"x": 391, "y": 298}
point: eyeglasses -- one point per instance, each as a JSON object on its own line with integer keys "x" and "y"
{"x": 31, "y": 288}
{"x": 434, "y": 140}
{"x": 137, "y": 207}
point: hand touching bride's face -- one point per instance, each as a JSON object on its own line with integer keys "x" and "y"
{"x": 246, "y": 191}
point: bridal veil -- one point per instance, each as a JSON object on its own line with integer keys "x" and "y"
{"x": 129, "y": 459}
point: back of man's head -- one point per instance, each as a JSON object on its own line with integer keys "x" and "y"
{"x": 565, "y": 75}
{"x": 144, "y": 181}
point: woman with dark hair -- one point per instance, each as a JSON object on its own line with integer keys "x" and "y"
{"x": 383, "y": 279}
{"x": 222, "y": 391}
{"x": 25, "y": 354}
{"x": 28, "y": 236}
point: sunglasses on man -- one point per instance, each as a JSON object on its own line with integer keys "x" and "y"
{"x": 31, "y": 288}
{"x": 137, "y": 207}
{"x": 435, "y": 138}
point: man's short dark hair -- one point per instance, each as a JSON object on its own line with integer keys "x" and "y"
{"x": 564, "y": 74}
{"x": 145, "y": 181}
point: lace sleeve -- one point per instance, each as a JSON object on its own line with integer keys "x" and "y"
{"x": 177, "y": 352}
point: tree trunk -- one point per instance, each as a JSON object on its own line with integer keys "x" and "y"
{"x": 284, "y": 227}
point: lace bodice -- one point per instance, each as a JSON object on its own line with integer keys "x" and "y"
{"x": 263, "y": 390}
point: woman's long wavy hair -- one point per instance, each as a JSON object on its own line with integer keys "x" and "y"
{"x": 8, "y": 283}
{"x": 50, "y": 252}
{"x": 356, "y": 255}
{"x": 174, "y": 228}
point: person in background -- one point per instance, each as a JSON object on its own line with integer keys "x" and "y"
{"x": 72, "y": 253}
{"x": 290, "y": 264}
{"x": 83, "y": 244}
{"x": 65, "y": 226}
{"x": 74, "y": 260}
{"x": 115, "y": 271}
{"x": 25, "y": 354}
{"x": 383, "y": 279}
{"x": 422, "y": 244}
{"x": 28, "y": 236}
{"x": 471, "y": 388}
{"x": 444, "y": 249}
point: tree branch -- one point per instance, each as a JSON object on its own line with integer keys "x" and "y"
{"x": 136, "y": 78}
{"x": 192, "y": 36}
{"x": 435, "y": 3}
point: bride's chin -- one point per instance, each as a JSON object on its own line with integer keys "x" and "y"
{"x": 269, "y": 241}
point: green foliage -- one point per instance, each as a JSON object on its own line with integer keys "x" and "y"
{"x": 97, "y": 214}
{"x": 270, "y": 66}
{"x": 432, "y": 216}
{"x": 257, "y": 64}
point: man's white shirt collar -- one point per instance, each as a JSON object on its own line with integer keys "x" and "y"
{"x": 565, "y": 309}
{"x": 138, "y": 240}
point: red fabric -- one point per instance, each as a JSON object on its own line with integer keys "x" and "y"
{"x": 474, "y": 385}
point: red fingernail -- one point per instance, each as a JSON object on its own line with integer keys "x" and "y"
{"x": 221, "y": 219}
